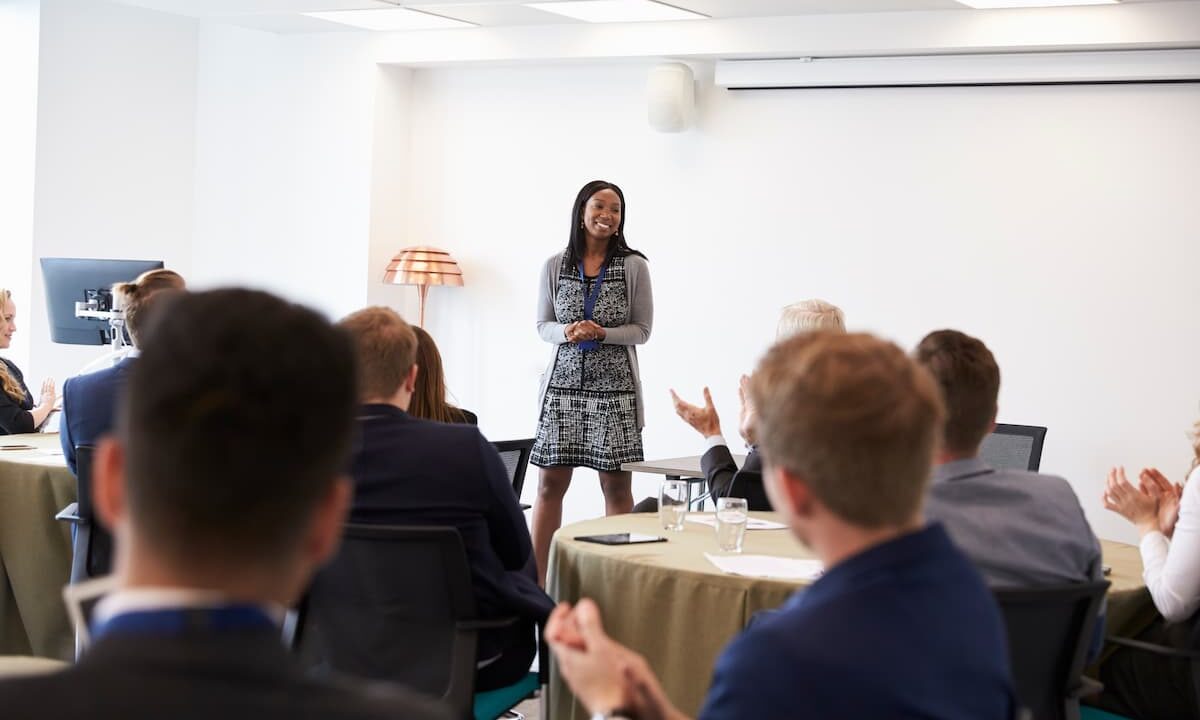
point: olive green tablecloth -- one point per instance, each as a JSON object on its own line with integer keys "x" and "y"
{"x": 35, "y": 549}
{"x": 668, "y": 602}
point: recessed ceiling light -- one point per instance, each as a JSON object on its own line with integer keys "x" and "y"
{"x": 600, "y": 11}
{"x": 390, "y": 19}
{"x": 990, "y": 4}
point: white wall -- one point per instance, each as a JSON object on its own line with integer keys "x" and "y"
{"x": 283, "y": 175}
{"x": 1056, "y": 223}
{"x": 115, "y": 151}
{"x": 18, "y": 135}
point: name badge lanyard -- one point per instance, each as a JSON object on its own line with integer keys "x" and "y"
{"x": 589, "y": 304}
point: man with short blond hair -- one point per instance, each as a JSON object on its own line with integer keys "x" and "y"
{"x": 899, "y": 626}
{"x": 409, "y": 471}
{"x": 723, "y": 475}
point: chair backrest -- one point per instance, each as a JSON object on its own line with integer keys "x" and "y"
{"x": 1017, "y": 447}
{"x": 388, "y": 608}
{"x": 1049, "y": 630}
{"x": 93, "y": 541}
{"x": 515, "y": 454}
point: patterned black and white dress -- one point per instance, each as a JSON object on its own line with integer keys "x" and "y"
{"x": 589, "y": 413}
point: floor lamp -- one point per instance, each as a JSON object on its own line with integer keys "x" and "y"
{"x": 423, "y": 266}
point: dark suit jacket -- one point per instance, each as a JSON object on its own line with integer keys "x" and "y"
{"x": 409, "y": 471}
{"x": 89, "y": 407}
{"x": 200, "y": 676}
{"x": 14, "y": 414}
{"x": 905, "y": 614}
{"x": 726, "y": 480}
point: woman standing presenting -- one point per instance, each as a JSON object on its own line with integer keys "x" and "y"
{"x": 594, "y": 306}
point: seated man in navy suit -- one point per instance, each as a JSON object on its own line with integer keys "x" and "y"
{"x": 899, "y": 626}
{"x": 89, "y": 404}
{"x": 225, "y": 488}
{"x": 409, "y": 471}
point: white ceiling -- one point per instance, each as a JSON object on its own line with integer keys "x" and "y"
{"x": 284, "y": 16}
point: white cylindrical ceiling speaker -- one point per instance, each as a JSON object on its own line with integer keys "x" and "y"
{"x": 671, "y": 97}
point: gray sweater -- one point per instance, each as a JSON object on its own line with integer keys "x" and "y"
{"x": 635, "y": 332}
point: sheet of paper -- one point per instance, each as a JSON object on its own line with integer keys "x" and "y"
{"x": 767, "y": 566}
{"x": 710, "y": 519}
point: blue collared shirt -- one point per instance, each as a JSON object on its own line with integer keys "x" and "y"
{"x": 905, "y": 629}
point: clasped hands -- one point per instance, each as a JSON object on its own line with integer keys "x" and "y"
{"x": 1152, "y": 506}
{"x": 604, "y": 675}
{"x": 705, "y": 420}
{"x": 582, "y": 331}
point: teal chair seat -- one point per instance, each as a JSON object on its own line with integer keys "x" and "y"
{"x": 1088, "y": 713}
{"x": 494, "y": 703}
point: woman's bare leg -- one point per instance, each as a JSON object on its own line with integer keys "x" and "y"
{"x": 547, "y": 512}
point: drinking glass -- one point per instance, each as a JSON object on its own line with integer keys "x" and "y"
{"x": 731, "y": 523}
{"x": 673, "y": 504}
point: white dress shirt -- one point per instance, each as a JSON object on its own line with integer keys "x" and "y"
{"x": 1172, "y": 566}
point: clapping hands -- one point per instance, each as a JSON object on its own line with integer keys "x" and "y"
{"x": 603, "y": 674}
{"x": 1152, "y": 506}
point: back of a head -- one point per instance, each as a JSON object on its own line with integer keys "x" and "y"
{"x": 969, "y": 379}
{"x": 429, "y": 397}
{"x": 385, "y": 349}
{"x": 237, "y": 421}
{"x": 134, "y": 298}
{"x": 853, "y": 416}
{"x": 809, "y": 315}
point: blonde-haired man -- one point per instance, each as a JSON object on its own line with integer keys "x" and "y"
{"x": 410, "y": 471}
{"x": 725, "y": 478}
{"x": 899, "y": 626}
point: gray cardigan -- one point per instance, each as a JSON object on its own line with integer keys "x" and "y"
{"x": 636, "y": 332}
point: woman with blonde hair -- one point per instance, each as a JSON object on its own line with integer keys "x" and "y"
{"x": 90, "y": 400}
{"x": 1167, "y": 517}
{"x": 18, "y": 413}
{"x": 429, "y": 397}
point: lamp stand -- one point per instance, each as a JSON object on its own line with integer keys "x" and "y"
{"x": 422, "y": 291}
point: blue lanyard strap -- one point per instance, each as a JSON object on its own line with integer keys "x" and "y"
{"x": 589, "y": 303}
{"x": 175, "y": 621}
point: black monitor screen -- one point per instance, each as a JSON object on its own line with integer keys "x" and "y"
{"x": 72, "y": 280}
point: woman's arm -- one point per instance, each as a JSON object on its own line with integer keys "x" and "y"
{"x": 1172, "y": 567}
{"x": 551, "y": 330}
{"x": 641, "y": 306}
{"x": 13, "y": 419}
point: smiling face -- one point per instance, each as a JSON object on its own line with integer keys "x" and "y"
{"x": 8, "y": 322}
{"x": 602, "y": 214}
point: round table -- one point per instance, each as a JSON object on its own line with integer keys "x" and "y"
{"x": 35, "y": 549}
{"x": 664, "y": 600}
{"x": 669, "y": 603}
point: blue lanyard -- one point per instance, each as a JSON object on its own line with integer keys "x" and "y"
{"x": 175, "y": 621}
{"x": 589, "y": 303}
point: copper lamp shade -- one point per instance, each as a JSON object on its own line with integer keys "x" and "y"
{"x": 423, "y": 266}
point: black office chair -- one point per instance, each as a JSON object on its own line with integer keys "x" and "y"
{"x": 369, "y": 618}
{"x": 1191, "y": 653}
{"x": 515, "y": 454}
{"x": 1049, "y": 631}
{"x": 1018, "y": 447}
{"x": 92, "y": 551}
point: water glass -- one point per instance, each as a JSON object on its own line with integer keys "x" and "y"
{"x": 673, "y": 504}
{"x": 732, "y": 515}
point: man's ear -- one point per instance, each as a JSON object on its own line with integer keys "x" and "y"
{"x": 325, "y": 531}
{"x": 795, "y": 492}
{"x": 108, "y": 483}
{"x": 410, "y": 382}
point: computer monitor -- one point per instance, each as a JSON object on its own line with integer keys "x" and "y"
{"x": 72, "y": 280}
